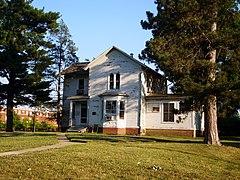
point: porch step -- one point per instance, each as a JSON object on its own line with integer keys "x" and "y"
{"x": 81, "y": 129}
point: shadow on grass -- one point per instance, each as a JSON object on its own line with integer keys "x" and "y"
{"x": 233, "y": 141}
{"x": 226, "y": 141}
{"x": 128, "y": 139}
{"x": 13, "y": 134}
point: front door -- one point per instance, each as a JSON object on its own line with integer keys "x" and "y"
{"x": 83, "y": 118}
{"x": 80, "y": 113}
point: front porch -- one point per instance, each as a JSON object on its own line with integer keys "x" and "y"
{"x": 78, "y": 114}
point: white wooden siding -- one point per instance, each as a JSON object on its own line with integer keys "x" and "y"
{"x": 115, "y": 62}
{"x": 154, "y": 120}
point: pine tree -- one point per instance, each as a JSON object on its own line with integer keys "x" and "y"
{"x": 24, "y": 53}
{"x": 196, "y": 45}
{"x": 64, "y": 55}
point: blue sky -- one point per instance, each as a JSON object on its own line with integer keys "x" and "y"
{"x": 99, "y": 24}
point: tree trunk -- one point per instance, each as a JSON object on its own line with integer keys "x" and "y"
{"x": 211, "y": 130}
{"x": 210, "y": 106}
{"x": 34, "y": 119}
{"x": 59, "y": 102}
{"x": 10, "y": 112}
{"x": 59, "y": 91}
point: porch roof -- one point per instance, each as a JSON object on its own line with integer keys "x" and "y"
{"x": 113, "y": 94}
{"x": 78, "y": 98}
{"x": 165, "y": 97}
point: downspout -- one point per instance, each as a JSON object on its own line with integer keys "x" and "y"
{"x": 140, "y": 130}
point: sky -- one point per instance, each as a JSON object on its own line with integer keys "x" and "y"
{"x": 98, "y": 25}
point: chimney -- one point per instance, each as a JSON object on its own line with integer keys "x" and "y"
{"x": 131, "y": 54}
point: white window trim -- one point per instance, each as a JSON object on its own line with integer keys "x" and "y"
{"x": 114, "y": 81}
{"x": 175, "y": 106}
{"x": 117, "y": 114}
{"x": 150, "y": 106}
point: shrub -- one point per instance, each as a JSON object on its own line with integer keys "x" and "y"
{"x": 2, "y": 125}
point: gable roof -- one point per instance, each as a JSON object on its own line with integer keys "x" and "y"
{"x": 78, "y": 67}
{"x": 81, "y": 67}
{"x": 105, "y": 53}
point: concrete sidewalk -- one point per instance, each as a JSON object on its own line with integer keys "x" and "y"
{"x": 62, "y": 141}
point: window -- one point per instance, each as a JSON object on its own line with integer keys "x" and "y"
{"x": 117, "y": 81}
{"x": 122, "y": 109}
{"x": 111, "y": 81}
{"x": 114, "y": 81}
{"x": 81, "y": 84}
{"x": 168, "y": 115}
{"x": 111, "y": 107}
{"x": 153, "y": 107}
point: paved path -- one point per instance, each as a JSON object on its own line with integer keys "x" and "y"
{"x": 62, "y": 141}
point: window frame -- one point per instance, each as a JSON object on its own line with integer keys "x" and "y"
{"x": 81, "y": 84}
{"x": 168, "y": 114}
{"x": 122, "y": 110}
{"x": 151, "y": 106}
{"x": 114, "y": 81}
{"x": 112, "y": 110}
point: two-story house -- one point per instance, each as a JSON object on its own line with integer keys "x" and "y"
{"x": 117, "y": 94}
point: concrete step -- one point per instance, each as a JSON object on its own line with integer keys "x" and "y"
{"x": 81, "y": 129}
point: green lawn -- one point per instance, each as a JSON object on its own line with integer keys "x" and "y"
{"x": 20, "y": 140}
{"x": 127, "y": 157}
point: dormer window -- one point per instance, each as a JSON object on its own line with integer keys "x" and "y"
{"x": 114, "y": 81}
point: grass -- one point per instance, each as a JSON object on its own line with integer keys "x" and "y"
{"x": 22, "y": 140}
{"x": 127, "y": 157}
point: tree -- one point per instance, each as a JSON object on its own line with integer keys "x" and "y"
{"x": 23, "y": 52}
{"x": 196, "y": 45}
{"x": 64, "y": 55}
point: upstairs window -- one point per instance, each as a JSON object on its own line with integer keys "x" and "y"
{"x": 81, "y": 84}
{"x": 80, "y": 90}
{"x": 111, "y": 81}
{"x": 114, "y": 81}
{"x": 168, "y": 115}
{"x": 117, "y": 81}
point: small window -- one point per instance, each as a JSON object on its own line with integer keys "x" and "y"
{"x": 153, "y": 107}
{"x": 168, "y": 115}
{"x": 122, "y": 109}
{"x": 81, "y": 84}
{"x": 111, "y": 81}
{"x": 114, "y": 81}
{"x": 111, "y": 107}
{"x": 117, "y": 81}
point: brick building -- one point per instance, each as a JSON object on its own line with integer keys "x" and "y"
{"x": 47, "y": 116}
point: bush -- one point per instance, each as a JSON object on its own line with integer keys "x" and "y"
{"x": 44, "y": 126}
{"x": 2, "y": 125}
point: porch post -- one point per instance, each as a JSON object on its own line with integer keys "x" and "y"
{"x": 70, "y": 113}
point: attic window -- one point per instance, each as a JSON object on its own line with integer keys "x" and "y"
{"x": 114, "y": 81}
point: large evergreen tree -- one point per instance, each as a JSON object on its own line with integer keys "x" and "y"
{"x": 196, "y": 44}
{"x": 64, "y": 55}
{"x": 24, "y": 53}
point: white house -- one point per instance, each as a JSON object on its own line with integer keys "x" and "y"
{"x": 117, "y": 94}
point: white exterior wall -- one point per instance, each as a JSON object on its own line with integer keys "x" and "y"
{"x": 154, "y": 120}
{"x": 70, "y": 88}
{"x": 129, "y": 71}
